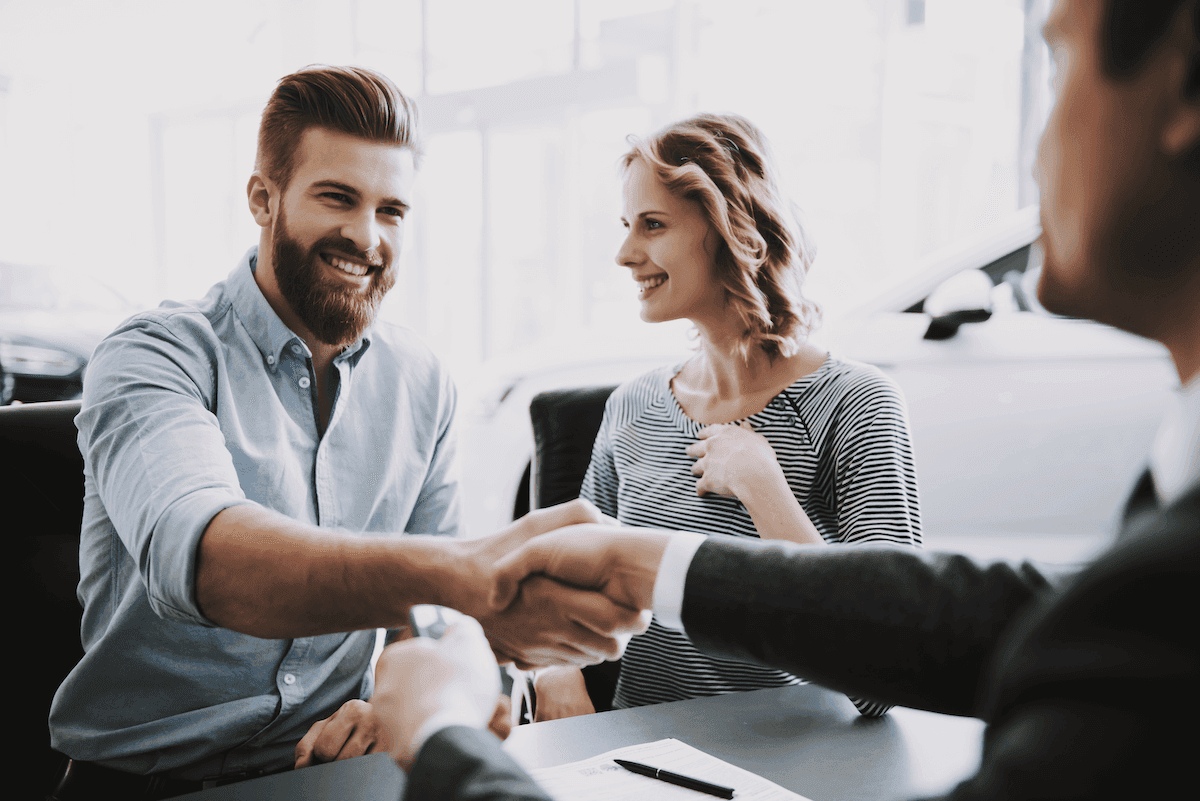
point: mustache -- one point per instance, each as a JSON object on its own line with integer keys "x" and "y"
{"x": 345, "y": 247}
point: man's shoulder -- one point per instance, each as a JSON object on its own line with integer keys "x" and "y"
{"x": 187, "y": 320}
{"x": 404, "y": 347}
{"x": 399, "y": 357}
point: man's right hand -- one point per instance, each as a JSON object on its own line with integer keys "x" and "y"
{"x": 621, "y": 563}
{"x": 544, "y": 622}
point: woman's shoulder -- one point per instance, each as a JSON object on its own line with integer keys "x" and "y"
{"x": 643, "y": 391}
{"x": 854, "y": 378}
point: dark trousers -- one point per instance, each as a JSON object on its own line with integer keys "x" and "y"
{"x": 88, "y": 781}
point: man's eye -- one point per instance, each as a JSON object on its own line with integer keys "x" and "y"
{"x": 392, "y": 211}
{"x": 336, "y": 196}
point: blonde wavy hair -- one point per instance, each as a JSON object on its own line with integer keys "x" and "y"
{"x": 723, "y": 163}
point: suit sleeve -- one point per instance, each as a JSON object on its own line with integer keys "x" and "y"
{"x": 460, "y": 763}
{"x": 896, "y": 626}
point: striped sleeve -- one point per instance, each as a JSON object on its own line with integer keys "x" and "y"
{"x": 875, "y": 478}
{"x": 600, "y": 481}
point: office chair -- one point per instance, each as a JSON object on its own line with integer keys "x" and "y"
{"x": 41, "y": 501}
{"x": 565, "y": 423}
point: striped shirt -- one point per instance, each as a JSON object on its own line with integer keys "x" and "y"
{"x": 841, "y": 436}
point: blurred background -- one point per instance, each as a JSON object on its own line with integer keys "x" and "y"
{"x": 127, "y": 134}
{"x": 905, "y": 132}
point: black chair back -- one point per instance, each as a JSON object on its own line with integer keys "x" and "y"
{"x": 565, "y": 423}
{"x": 41, "y": 499}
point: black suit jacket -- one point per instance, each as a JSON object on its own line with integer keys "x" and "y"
{"x": 466, "y": 764}
{"x": 1087, "y": 682}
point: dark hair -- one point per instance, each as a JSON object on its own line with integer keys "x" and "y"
{"x": 722, "y": 162}
{"x": 351, "y": 100}
{"x": 1132, "y": 28}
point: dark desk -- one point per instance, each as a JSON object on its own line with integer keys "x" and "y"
{"x": 806, "y": 739}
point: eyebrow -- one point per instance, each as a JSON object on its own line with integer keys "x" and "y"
{"x": 647, "y": 213}
{"x": 346, "y": 189}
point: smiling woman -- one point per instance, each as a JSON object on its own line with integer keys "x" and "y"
{"x": 759, "y": 433}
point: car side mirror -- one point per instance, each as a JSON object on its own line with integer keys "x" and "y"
{"x": 964, "y": 297}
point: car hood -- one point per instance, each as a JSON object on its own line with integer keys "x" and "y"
{"x": 76, "y": 333}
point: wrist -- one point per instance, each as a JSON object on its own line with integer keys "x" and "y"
{"x": 763, "y": 488}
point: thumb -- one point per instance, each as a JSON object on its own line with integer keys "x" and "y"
{"x": 511, "y": 569}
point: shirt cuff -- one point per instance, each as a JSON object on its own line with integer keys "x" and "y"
{"x": 672, "y": 574}
{"x": 454, "y": 714}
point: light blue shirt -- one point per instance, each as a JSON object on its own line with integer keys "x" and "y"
{"x": 187, "y": 410}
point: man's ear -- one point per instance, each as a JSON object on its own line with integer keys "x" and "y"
{"x": 261, "y": 192}
{"x": 1181, "y": 131}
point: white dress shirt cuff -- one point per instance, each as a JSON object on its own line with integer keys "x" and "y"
{"x": 453, "y": 714}
{"x": 672, "y": 574}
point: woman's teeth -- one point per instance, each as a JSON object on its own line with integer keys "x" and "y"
{"x": 649, "y": 283}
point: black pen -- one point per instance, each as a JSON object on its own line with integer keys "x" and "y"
{"x": 675, "y": 778}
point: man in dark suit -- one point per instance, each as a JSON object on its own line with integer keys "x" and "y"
{"x": 1084, "y": 682}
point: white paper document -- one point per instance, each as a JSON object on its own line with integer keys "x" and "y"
{"x": 601, "y": 779}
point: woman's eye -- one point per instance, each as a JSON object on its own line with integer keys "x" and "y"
{"x": 653, "y": 224}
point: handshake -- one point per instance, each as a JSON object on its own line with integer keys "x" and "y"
{"x": 564, "y": 586}
{"x": 561, "y": 586}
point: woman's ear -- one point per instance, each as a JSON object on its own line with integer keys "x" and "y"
{"x": 260, "y": 192}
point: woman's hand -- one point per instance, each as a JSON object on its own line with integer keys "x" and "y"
{"x": 561, "y": 693}
{"x": 739, "y": 462}
{"x": 730, "y": 458}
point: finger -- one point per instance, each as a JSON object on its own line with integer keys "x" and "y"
{"x": 361, "y": 740}
{"x": 338, "y": 730}
{"x": 304, "y": 748}
{"x": 601, "y": 615}
{"x": 709, "y": 431}
{"x": 570, "y": 513}
{"x": 501, "y": 722}
{"x": 696, "y": 449}
{"x": 511, "y": 569}
{"x": 698, "y": 468}
{"x": 746, "y": 425}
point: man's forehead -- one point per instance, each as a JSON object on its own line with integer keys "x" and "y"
{"x": 333, "y": 157}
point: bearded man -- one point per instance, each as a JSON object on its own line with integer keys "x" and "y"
{"x": 252, "y": 460}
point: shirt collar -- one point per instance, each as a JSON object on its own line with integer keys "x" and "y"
{"x": 267, "y": 331}
{"x": 1175, "y": 455}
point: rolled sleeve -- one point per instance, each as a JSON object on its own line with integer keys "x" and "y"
{"x": 154, "y": 452}
{"x": 438, "y": 509}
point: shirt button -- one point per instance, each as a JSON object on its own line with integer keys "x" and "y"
{"x": 271, "y": 359}
{"x": 303, "y": 382}
{"x": 288, "y": 678}
{"x": 296, "y": 349}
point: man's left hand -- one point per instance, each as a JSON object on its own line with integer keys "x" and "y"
{"x": 352, "y": 731}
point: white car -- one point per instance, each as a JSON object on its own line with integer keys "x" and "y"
{"x": 1026, "y": 427}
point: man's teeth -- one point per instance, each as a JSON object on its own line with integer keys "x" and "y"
{"x": 650, "y": 283}
{"x": 350, "y": 267}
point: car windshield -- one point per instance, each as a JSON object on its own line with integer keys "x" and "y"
{"x": 29, "y": 288}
